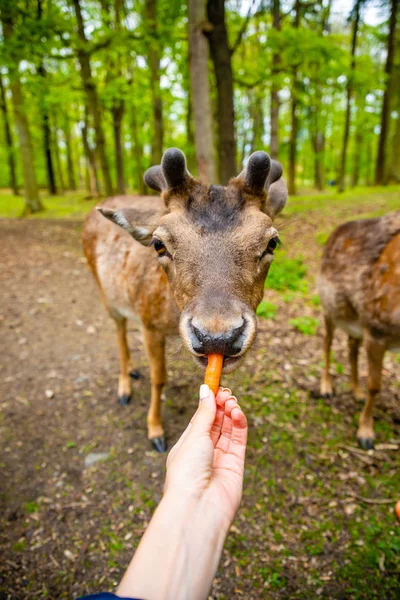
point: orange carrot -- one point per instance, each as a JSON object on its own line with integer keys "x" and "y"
{"x": 213, "y": 371}
{"x": 397, "y": 509}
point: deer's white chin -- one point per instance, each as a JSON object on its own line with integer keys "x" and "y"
{"x": 230, "y": 362}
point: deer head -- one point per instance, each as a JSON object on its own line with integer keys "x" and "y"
{"x": 216, "y": 245}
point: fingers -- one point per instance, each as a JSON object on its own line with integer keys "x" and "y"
{"x": 238, "y": 439}
{"x": 234, "y": 429}
{"x": 205, "y": 415}
{"x": 226, "y": 429}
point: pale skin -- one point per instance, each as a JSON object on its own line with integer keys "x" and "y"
{"x": 179, "y": 553}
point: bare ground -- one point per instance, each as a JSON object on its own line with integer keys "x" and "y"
{"x": 305, "y": 529}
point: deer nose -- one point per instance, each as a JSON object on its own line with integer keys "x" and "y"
{"x": 228, "y": 343}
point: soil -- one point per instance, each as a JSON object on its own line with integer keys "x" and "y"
{"x": 69, "y": 529}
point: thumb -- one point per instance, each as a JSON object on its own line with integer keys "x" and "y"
{"x": 205, "y": 415}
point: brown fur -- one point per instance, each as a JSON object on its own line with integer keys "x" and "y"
{"x": 207, "y": 285}
{"x": 359, "y": 287}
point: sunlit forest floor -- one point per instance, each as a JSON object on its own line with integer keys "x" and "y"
{"x": 313, "y": 522}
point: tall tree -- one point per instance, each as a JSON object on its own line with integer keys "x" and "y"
{"x": 8, "y": 138}
{"x": 221, "y": 55}
{"x": 274, "y": 115}
{"x": 198, "y": 60}
{"x": 355, "y": 17}
{"x": 381, "y": 170}
{"x": 70, "y": 159}
{"x": 51, "y": 180}
{"x": 294, "y": 118}
{"x": 31, "y": 191}
{"x": 395, "y": 164}
{"x": 154, "y": 64}
{"x": 92, "y": 180}
{"x": 89, "y": 85}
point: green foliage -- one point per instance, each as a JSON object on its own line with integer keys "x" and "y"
{"x": 287, "y": 274}
{"x": 306, "y": 325}
{"x": 71, "y": 205}
{"x": 31, "y": 507}
{"x": 19, "y": 546}
{"x": 266, "y": 310}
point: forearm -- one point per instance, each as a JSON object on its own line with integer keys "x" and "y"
{"x": 179, "y": 553}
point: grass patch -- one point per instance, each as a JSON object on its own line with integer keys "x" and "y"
{"x": 287, "y": 274}
{"x": 266, "y": 310}
{"x": 73, "y": 205}
{"x": 19, "y": 546}
{"x": 30, "y": 507}
{"x": 306, "y": 325}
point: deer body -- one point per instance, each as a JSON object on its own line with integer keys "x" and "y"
{"x": 359, "y": 286}
{"x": 193, "y": 261}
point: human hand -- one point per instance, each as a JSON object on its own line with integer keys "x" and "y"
{"x": 207, "y": 462}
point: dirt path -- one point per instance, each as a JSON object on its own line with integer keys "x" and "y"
{"x": 67, "y": 527}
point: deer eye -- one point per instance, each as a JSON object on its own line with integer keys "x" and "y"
{"x": 160, "y": 248}
{"x": 272, "y": 244}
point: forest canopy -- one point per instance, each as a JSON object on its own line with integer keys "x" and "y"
{"x": 93, "y": 91}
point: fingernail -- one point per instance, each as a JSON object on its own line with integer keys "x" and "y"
{"x": 232, "y": 398}
{"x": 204, "y": 391}
{"x": 226, "y": 390}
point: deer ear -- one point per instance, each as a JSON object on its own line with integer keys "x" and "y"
{"x": 171, "y": 174}
{"x": 276, "y": 189}
{"x": 125, "y": 218}
{"x": 154, "y": 178}
{"x": 254, "y": 176}
{"x": 257, "y": 171}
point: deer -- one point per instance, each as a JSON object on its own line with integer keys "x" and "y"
{"x": 192, "y": 260}
{"x": 359, "y": 287}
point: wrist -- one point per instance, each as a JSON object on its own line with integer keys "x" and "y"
{"x": 197, "y": 509}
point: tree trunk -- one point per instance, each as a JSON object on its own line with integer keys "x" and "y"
{"x": 191, "y": 154}
{"x": 137, "y": 154}
{"x": 92, "y": 98}
{"x": 274, "y": 143}
{"x": 51, "y": 179}
{"x": 294, "y": 124}
{"x": 31, "y": 192}
{"x": 395, "y": 165}
{"x": 8, "y": 139}
{"x": 357, "y": 155}
{"x": 319, "y": 169}
{"x": 294, "y": 120}
{"x": 221, "y": 57}
{"x": 198, "y": 61}
{"x": 346, "y": 133}
{"x": 381, "y": 166}
{"x": 154, "y": 64}
{"x": 257, "y": 118}
{"x": 70, "y": 160}
{"x": 93, "y": 184}
{"x": 117, "y": 114}
{"x": 59, "y": 169}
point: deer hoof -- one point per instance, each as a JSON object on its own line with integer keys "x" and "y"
{"x": 124, "y": 400}
{"x": 366, "y": 443}
{"x": 135, "y": 374}
{"x": 159, "y": 444}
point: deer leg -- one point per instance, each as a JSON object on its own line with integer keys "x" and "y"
{"x": 375, "y": 354}
{"x": 326, "y": 381}
{"x": 124, "y": 382}
{"x": 155, "y": 349}
{"x": 354, "y": 346}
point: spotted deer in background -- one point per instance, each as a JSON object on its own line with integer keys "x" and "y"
{"x": 193, "y": 260}
{"x": 359, "y": 285}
